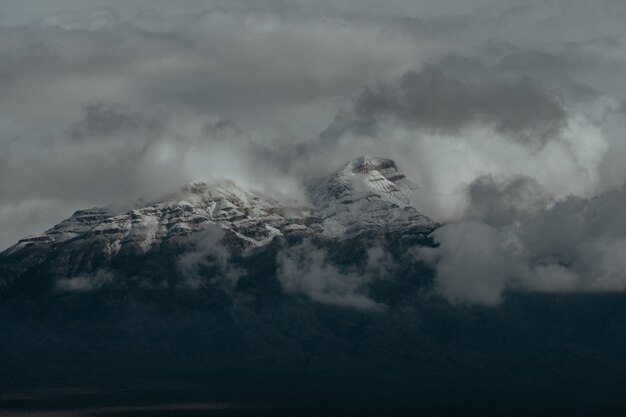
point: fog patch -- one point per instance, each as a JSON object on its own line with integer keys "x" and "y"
{"x": 209, "y": 261}
{"x": 84, "y": 283}
{"x": 305, "y": 269}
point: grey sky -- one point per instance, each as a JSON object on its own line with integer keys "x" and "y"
{"x": 500, "y": 110}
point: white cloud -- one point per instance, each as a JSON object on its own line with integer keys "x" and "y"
{"x": 304, "y": 269}
{"x": 82, "y": 283}
{"x": 209, "y": 261}
{"x": 572, "y": 245}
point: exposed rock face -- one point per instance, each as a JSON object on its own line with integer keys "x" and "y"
{"x": 367, "y": 195}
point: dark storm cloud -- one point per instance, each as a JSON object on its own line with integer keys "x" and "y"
{"x": 433, "y": 100}
{"x": 578, "y": 71}
{"x": 499, "y": 203}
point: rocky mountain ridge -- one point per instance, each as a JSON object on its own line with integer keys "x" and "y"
{"x": 367, "y": 195}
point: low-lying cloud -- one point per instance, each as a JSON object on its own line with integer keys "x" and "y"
{"x": 83, "y": 283}
{"x": 573, "y": 245}
{"x": 305, "y": 269}
{"x": 209, "y": 261}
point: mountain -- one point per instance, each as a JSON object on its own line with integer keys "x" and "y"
{"x": 220, "y": 273}
{"x": 368, "y": 195}
{"x": 321, "y": 304}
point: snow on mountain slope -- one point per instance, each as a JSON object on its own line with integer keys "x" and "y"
{"x": 368, "y": 193}
{"x": 251, "y": 216}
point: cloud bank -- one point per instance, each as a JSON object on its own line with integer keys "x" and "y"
{"x": 509, "y": 115}
{"x": 523, "y": 240}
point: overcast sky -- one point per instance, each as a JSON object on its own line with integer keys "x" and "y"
{"x": 502, "y": 111}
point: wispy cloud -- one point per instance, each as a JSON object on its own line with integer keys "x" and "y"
{"x": 209, "y": 261}
{"x": 82, "y": 283}
{"x": 305, "y": 269}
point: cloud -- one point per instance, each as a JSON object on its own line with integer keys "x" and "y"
{"x": 433, "y": 100}
{"x": 82, "y": 283}
{"x": 445, "y": 163}
{"x": 103, "y": 120}
{"x": 96, "y": 19}
{"x": 570, "y": 245}
{"x": 500, "y": 203}
{"x": 473, "y": 262}
{"x": 209, "y": 261}
{"x": 304, "y": 269}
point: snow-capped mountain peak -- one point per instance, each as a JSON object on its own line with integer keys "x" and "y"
{"x": 376, "y": 176}
{"x": 369, "y": 192}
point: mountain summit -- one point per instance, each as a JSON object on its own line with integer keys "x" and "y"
{"x": 368, "y": 193}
